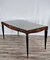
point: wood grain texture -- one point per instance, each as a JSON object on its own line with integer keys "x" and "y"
{"x": 13, "y": 47}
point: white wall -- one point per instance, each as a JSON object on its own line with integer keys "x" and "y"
{"x": 37, "y": 11}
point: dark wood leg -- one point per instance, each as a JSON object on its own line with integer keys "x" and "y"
{"x": 18, "y": 33}
{"x": 3, "y": 30}
{"x": 27, "y": 44}
{"x": 45, "y": 37}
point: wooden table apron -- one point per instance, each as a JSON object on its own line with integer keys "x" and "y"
{"x": 45, "y": 28}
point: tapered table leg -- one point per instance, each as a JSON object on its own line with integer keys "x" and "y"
{"x": 3, "y": 30}
{"x": 18, "y": 33}
{"x": 45, "y": 37}
{"x": 27, "y": 44}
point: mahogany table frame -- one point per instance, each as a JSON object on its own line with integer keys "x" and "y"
{"x": 45, "y": 28}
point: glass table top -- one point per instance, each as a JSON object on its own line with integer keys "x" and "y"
{"x": 23, "y": 24}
